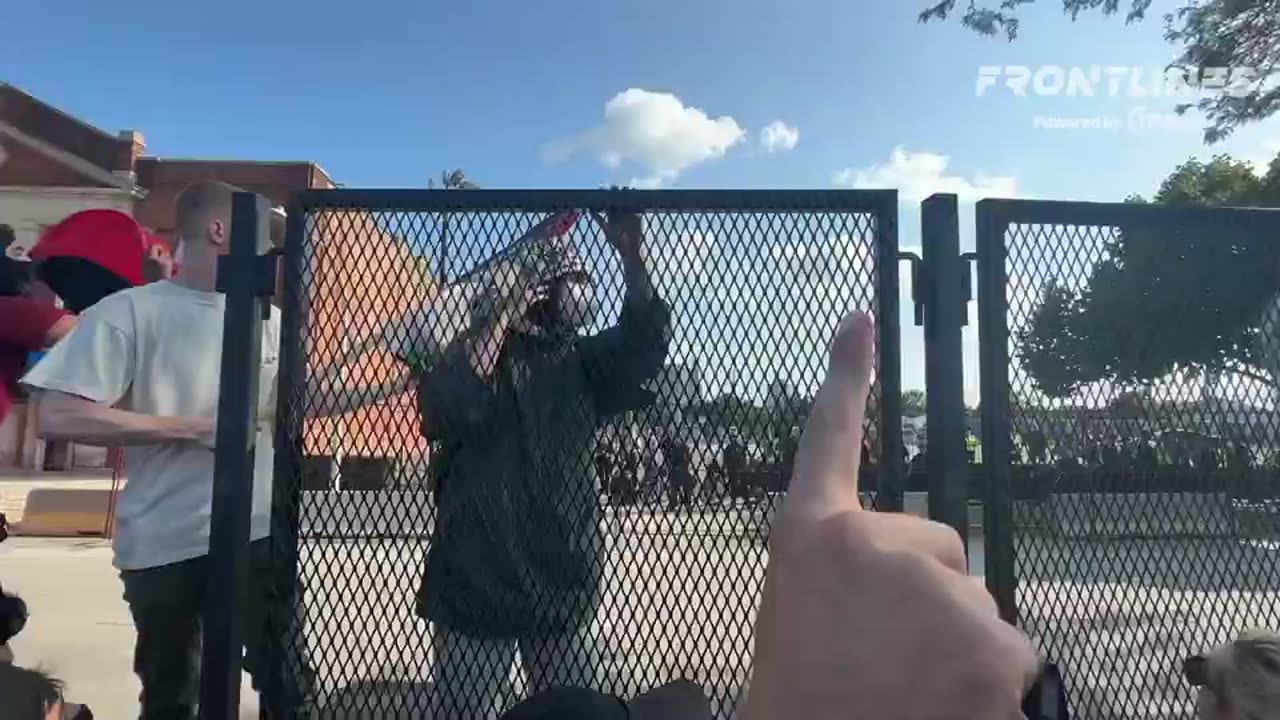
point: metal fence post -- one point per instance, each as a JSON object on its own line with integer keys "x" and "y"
{"x": 891, "y": 482}
{"x": 993, "y": 360}
{"x": 286, "y": 502}
{"x": 233, "y": 462}
{"x": 946, "y": 304}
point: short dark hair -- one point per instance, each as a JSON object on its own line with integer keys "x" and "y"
{"x": 202, "y": 202}
{"x": 15, "y": 276}
{"x": 28, "y": 694}
{"x": 13, "y": 616}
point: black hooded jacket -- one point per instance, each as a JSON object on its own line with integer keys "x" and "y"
{"x": 516, "y": 549}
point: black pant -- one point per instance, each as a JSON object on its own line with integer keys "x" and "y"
{"x": 168, "y": 603}
{"x": 680, "y": 487}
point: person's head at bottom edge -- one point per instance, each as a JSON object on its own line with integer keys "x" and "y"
{"x": 1238, "y": 681}
{"x": 29, "y": 694}
{"x": 679, "y": 700}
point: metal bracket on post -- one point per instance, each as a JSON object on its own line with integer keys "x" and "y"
{"x": 945, "y": 313}
{"x": 966, "y": 281}
{"x": 247, "y": 278}
{"x": 919, "y": 286}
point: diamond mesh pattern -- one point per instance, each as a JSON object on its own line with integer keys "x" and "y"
{"x": 673, "y": 528}
{"x": 1142, "y": 423}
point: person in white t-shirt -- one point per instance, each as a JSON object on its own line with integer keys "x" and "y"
{"x": 141, "y": 371}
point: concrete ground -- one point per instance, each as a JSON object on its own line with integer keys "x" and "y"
{"x": 664, "y": 574}
{"x": 80, "y": 630}
{"x": 1119, "y": 642}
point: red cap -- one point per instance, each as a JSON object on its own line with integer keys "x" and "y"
{"x": 151, "y": 242}
{"x": 107, "y": 238}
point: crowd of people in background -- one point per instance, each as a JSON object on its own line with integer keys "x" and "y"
{"x": 681, "y": 469}
{"x": 1142, "y": 449}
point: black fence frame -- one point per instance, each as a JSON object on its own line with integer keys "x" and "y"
{"x": 1005, "y": 567}
{"x": 993, "y": 218}
{"x": 221, "y": 669}
{"x": 941, "y": 292}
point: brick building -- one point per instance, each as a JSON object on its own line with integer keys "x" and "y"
{"x": 52, "y": 165}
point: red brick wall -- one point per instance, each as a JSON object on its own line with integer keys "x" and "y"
{"x": 363, "y": 278}
{"x": 164, "y": 180}
{"x": 24, "y": 166}
{"x": 63, "y": 131}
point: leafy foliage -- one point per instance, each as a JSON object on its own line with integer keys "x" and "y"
{"x": 1167, "y": 295}
{"x": 1003, "y": 19}
{"x": 1048, "y": 347}
{"x": 1222, "y": 181}
{"x": 1234, "y": 34}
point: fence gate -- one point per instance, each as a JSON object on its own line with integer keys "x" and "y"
{"x": 1129, "y": 436}
{"x": 666, "y": 504}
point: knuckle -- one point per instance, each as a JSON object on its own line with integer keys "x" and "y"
{"x": 985, "y": 676}
{"x": 947, "y": 538}
{"x": 982, "y": 597}
{"x": 1002, "y": 658}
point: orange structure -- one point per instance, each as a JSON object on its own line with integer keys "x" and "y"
{"x": 362, "y": 277}
{"x": 57, "y": 164}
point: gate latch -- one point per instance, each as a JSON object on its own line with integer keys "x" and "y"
{"x": 966, "y": 279}
{"x": 918, "y": 285}
{"x": 263, "y": 280}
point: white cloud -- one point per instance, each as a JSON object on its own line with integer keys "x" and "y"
{"x": 778, "y": 136}
{"x": 1261, "y": 161}
{"x": 842, "y": 255}
{"x": 917, "y": 175}
{"x": 653, "y": 182}
{"x": 683, "y": 260}
{"x": 654, "y": 130}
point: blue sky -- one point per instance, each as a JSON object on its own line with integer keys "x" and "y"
{"x": 387, "y": 93}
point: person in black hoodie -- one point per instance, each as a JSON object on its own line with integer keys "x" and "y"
{"x": 515, "y": 557}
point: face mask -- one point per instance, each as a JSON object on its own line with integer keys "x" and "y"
{"x": 571, "y": 307}
{"x": 577, "y": 304}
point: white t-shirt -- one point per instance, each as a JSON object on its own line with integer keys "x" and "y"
{"x": 157, "y": 349}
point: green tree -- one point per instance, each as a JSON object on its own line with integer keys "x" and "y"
{"x": 913, "y": 403}
{"x": 1235, "y": 34}
{"x": 449, "y": 180}
{"x": 1222, "y": 181}
{"x": 1167, "y": 295}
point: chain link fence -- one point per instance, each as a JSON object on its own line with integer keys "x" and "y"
{"x": 1130, "y": 437}
{"x": 477, "y": 496}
